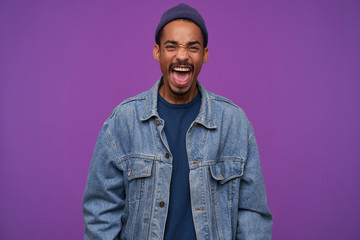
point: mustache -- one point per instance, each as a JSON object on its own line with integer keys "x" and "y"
{"x": 183, "y": 64}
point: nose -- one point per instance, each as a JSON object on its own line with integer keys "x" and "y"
{"x": 182, "y": 53}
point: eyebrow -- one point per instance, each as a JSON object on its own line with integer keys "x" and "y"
{"x": 189, "y": 43}
{"x": 170, "y": 41}
{"x": 194, "y": 42}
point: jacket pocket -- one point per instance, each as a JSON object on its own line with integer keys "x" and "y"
{"x": 224, "y": 188}
{"x": 139, "y": 182}
{"x": 138, "y": 173}
{"x": 224, "y": 171}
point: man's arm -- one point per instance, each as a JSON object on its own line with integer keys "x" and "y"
{"x": 103, "y": 202}
{"x": 254, "y": 217}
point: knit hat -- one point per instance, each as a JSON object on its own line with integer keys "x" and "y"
{"x": 182, "y": 11}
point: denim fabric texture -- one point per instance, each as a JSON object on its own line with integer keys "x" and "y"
{"x": 128, "y": 185}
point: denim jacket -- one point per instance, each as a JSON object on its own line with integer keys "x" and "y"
{"x": 128, "y": 185}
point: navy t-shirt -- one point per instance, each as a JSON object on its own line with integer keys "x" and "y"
{"x": 178, "y": 118}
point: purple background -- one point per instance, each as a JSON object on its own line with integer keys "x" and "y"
{"x": 293, "y": 66}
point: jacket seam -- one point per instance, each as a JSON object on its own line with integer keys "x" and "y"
{"x": 225, "y": 100}
{"x": 110, "y": 142}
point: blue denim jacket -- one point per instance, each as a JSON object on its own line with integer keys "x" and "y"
{"x": 127, "y": 190}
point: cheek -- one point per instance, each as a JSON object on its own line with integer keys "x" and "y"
{"x": 198, "y": 60}
{"x": 163, "y": 67}
{"x": 199, "y": 64}
{"x": 164, "y": 62}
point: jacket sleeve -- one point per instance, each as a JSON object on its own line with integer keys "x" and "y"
{"x": 103, "y": 201}
{"x": 254, "y": 217}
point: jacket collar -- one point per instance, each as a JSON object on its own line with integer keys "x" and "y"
{"x": 205, "y": 116}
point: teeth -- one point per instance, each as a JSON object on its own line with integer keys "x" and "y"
{"x": 181, "y": 69}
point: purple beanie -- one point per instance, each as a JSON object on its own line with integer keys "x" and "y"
{"x": 182, "y": 11}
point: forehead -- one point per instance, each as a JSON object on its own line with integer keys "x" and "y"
{"x": 181, "y": 31}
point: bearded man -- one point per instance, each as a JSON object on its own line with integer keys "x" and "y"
{"x": 177, "y": 161}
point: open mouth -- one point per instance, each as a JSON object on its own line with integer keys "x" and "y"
{"x": 181, "y": 74}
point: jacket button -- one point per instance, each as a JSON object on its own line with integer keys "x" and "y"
{"x": 157, "y": 122}
{"x": 161, "y": 204}
{"x": 167, "y": 155}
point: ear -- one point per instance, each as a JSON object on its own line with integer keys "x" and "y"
{"x": 156, "y": 52}
{"x": 206, "y": 55}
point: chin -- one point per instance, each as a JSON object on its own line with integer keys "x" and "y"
{"x": 181, "y": 91}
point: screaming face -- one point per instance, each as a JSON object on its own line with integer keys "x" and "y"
{"x": 181, "y": 55}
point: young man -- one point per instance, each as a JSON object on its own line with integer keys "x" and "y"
{"x": 177, "y": 162}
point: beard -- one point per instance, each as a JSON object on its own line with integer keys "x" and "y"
{"x": 180, "y": 93}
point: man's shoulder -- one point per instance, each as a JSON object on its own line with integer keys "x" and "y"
{"x": 222, "y": 100}
{"x": 229, "y": 115}
{"x": 139, "y": 97}
{"x": 222, "y": 103}
{"x": 130, "y": 104}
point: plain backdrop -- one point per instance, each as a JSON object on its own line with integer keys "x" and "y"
{"x": 292, "y": 66}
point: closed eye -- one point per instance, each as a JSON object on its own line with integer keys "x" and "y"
{"x": 170, "y": 46}
{"x": 194, "y": 49}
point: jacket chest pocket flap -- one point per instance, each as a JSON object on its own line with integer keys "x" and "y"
{"x": 225, "y": 171}
{"x": 139, "y": 168}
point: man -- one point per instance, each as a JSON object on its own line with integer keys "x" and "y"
{"x": 177, "y": 162}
